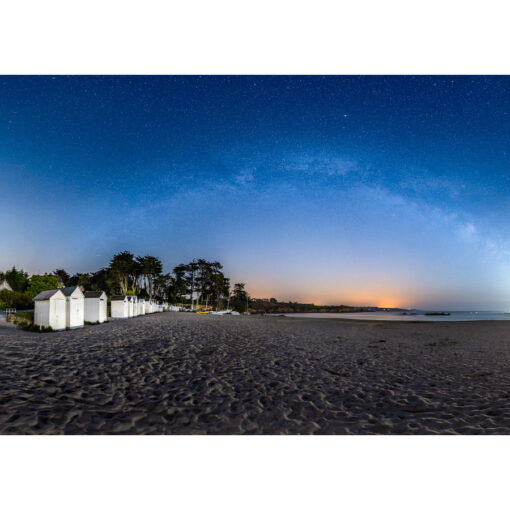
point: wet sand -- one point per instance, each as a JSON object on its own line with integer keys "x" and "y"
{"x": 179, "y": 373}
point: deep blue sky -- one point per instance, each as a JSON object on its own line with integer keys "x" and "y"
{"x": 361, "y": 190}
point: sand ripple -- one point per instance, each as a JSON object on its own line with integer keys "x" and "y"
{"x": 176, "y": 373}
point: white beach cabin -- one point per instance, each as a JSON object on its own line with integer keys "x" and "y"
{"x": 120, "y": 307}
{"x": 95, "y": 306}
{"x": 141, "y": 306}
{"x": 75, "y": 304}
{"x": 50, "y": 309}
{"x": 149, "y": 306}
{"x": 4, "y": 285}
{"x": 132, "y": 306}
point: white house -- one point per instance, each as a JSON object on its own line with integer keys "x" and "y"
{"x": 95, "y": 306}
{"x": 149, "y": 306}
{"x": 120, "y": 307}
{"x": 141, "y": 306}
{"x": 50, "y": 309}
{"x": 75, "y": 304}
{"x": 4, "y": 285}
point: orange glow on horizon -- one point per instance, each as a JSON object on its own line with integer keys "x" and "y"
{"x": 382, "y": 297}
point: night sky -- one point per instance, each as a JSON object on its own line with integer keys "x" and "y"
{"x": 388, "y": 191}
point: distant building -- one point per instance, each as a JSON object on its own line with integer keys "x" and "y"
{"x": 4, "y": 285}
{"x": 141, "y": 306}
{"x": 95, "y": 306}
{"x": 75, "y": 307}
{"x": 50, "y": 309}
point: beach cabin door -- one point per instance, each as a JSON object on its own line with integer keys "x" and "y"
{"x": 54, "y": 309}
{"x": 75, "y": 309}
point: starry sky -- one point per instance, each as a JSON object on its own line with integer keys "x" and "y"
{"x": 385, "y": 191}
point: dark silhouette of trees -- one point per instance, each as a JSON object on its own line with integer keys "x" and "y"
{"x": 186, "y": 279}
{"x": 122, "y": 267}
{"x": 151, "y": 269}
{"x": 199, "y": 282}
{"x": 240, "y": 299}
{"x": 63, "y": 277}
{"x": 80, "y": 279}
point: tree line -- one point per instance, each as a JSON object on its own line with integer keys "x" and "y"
{"x": 272, "y": 305}
{"x": 198, "y": 283}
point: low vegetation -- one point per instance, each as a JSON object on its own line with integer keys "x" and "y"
{"x": 24, "y": 320}
{"x": 272, "y": 305}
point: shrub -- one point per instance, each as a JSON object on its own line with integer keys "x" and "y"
{"x": 26, "y": 315}
{"x": 38, "y": 283}
{"x": 22, "y": 320}
{"x": 36, "y": 329}
{"x": 13, "y": 299}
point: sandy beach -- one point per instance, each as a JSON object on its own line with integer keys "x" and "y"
{"x": 178, "y": 373}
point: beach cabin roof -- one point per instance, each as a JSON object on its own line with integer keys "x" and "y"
{"x": 69, "y": 290}
{"x": 119, "y": 298}
{"x": 46, "y": 294}
{"x": 94, "y": 293}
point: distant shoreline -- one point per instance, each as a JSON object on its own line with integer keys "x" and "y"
{"x": 393, "y": 317}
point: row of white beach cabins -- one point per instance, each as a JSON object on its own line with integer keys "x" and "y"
{"x": 70, "y": 308}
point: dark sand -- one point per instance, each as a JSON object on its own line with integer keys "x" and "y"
{"x": 178, "y": 373}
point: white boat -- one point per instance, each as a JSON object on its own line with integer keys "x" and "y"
{"x": 221, "y": 312}
{"x": 234, "y": 313}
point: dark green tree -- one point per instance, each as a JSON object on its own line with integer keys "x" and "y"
{"x": 17, "y": 279}
{"x": 151, "y": 268}
{"x": 186, "y": 278}
{"x": 63, "y": 277}
{"x": 211, "y": 282}
{"x": 122, "y": 268}
{"x": 240, "y": 299}
{"x": 13, "y": 299}
{"x": 163, "y": 287}
{"x": 100, "y": 280}
{"x": 81, "y": 279}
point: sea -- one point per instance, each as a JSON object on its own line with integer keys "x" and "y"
{"x": 418, "y": 315}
